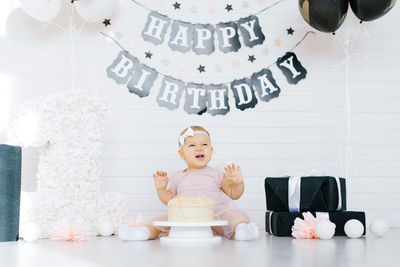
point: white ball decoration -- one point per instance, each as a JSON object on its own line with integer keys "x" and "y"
{"x": 353, "y": 228}
{"x": 379, "y": 227}
{"x": 105, "y": 227}
{"x": 325, "y": 229}
{"x": 30, "y": 231}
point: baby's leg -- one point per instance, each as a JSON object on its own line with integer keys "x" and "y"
{"x": 239, "y": 226}
{"x": 137, "y": 233}
{"x": 246, "y": 231}
{"x": 146, "y": 232}
{"x": 154, "y": 231}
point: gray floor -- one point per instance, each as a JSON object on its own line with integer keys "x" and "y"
{"x": 266, "y": 251}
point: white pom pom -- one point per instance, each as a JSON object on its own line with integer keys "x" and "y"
{"x": 354, "y": 228}
{"x": 105, "y": 227}
{"x": 379, "y": 227}
{"x": 325, "y": 229}
{"x": 30, "y": 231}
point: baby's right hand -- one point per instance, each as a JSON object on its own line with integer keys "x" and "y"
{"x": 160, "y": 180}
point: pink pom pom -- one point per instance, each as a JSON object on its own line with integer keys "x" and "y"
{"x": 70, "y": 231}
{"x": 306, "y": 228}
{"x": 132, "y": 222}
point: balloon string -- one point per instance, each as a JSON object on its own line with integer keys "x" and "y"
{"x": 164, "y": 75}
{"x": 81, "y": 28}
{"x": 268, "y": 7}
{"x": 74, "y": 33}
{"x": 72, "y": 45}
{"x": 348, "y": 59}
{"x": 58, "y": 26}
{"x": 347, "y": 46}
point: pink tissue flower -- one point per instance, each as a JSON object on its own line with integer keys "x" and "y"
{"x": 65, "y": 231}
{"x": 132, "y": 222}
{"x": 306, "y": 228}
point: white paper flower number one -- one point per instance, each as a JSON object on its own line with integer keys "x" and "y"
{"x": 68, "y": 129}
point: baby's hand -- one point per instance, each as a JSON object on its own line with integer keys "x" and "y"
{"x": 233, "y": 174}
{"x": 160, "y": 180}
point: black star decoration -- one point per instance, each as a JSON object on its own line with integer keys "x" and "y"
{"x": 290, "y": 31}
{"x": 201, "y": 68}
{"x": 251, "y": 58}
{"x": 177, "y": 5}
{"x": 229, "y": 8}
{"x": 72, "y": 1}
{"x": 148, "y": 54}
{"x": 106, "y": 22}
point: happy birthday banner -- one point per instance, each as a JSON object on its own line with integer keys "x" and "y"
{"x": 199, "y": 38}
{"x": 200, "y": 98}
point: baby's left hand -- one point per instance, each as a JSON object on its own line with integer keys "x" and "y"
{"x": 233, "y": 174}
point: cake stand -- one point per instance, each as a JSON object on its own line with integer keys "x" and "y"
{"x": 190, "y": 231}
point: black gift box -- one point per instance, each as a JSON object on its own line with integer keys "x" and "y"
{"x": 281, "y": 222}
{"x": 317, "y": 193}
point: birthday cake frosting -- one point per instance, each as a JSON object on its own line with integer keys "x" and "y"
{"x": 198, "y": 209}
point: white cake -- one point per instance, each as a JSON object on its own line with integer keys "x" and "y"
{"x": 198, "y": 209}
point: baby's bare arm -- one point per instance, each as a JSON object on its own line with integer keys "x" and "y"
{"x": 234, "y": 191}
{"x": 165, "y": 195}
{"x": 232, "y": 183}
{"x": 161, "y": 182}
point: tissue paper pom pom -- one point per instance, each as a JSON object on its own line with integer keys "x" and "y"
{"x": 132, "y": 222}
{"x": 325, "y": 229}
{"x": 70, "y": 231}
{"x": 379, "y": 227}
{"x": 306, "y": 228}
{"x": 30, "y": 231}
{"x": 105, "y": 227}
{"x": 354, "y": 228}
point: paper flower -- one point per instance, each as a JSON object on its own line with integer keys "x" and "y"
{"x": 66, "y": 231}
{"x": 132, "y": 222}
{"x": 305, "y": 229}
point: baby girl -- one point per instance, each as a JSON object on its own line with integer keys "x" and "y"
{"x": 199, "y": 179}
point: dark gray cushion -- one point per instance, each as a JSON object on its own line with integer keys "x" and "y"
{"x": 10, "y": 191}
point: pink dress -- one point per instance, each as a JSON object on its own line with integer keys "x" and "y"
{"x": 205, "y": 182}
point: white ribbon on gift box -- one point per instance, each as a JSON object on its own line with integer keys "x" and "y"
{"x": 270, "y": 222}
{"x": 294, "y": 193}
{"x": 294, "y": 184}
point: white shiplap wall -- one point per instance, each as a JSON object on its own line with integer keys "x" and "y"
{"x": 305, "y": 128}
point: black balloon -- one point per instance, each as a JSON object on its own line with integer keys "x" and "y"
{"x": 324, "y": 15}
{"x": 367, "y": 10}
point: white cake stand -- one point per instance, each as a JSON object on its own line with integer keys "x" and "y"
{"x": 190, "y": 231}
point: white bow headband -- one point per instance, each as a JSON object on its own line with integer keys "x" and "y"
{"x": 188, "y": 133}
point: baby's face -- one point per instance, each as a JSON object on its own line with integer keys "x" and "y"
{"x": 196, "y": 151}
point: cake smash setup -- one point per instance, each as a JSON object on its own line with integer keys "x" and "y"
{"x": 190, "y": 220}
{"x": 67, "y": 128}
